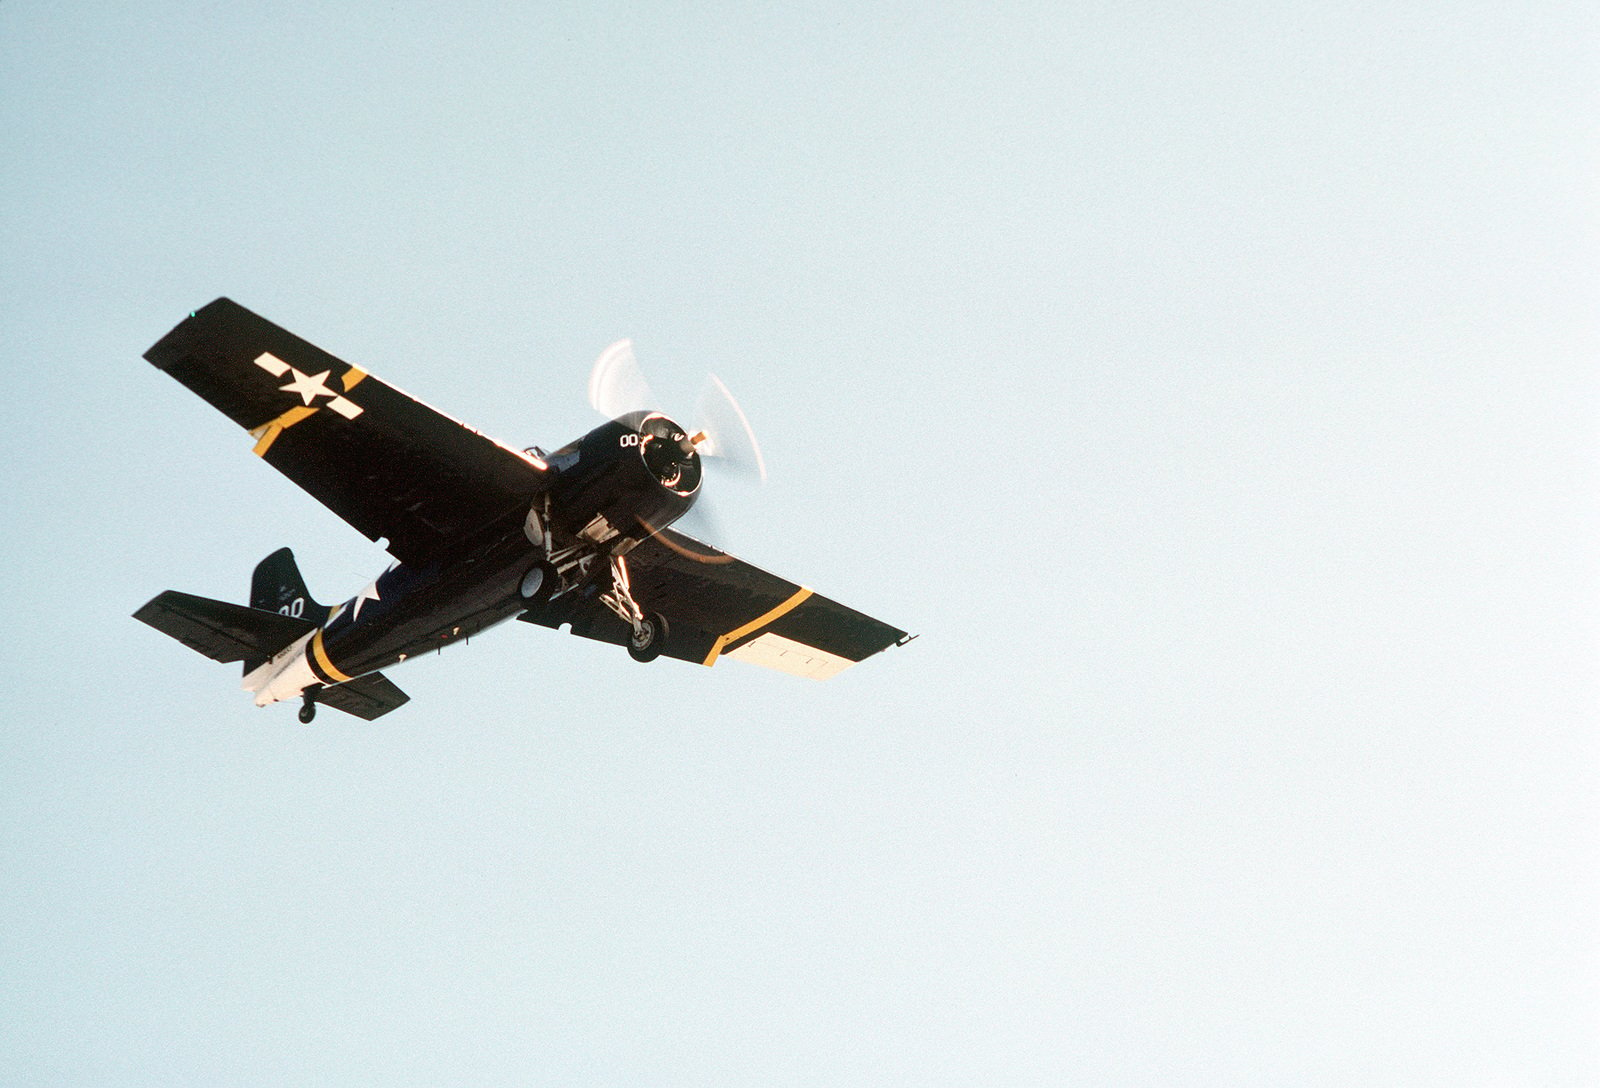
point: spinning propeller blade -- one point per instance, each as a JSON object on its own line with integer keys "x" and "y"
{"x": 617, "y": 385}
{"x": 724, "y": 432}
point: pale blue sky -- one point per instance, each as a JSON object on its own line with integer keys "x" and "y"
{"x": 1212, "y": 387}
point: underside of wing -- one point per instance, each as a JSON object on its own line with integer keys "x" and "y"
{"x": 719, "y": 606}
{"x": 222, "y": 631}
{"x": 383, "y": 461}
{"x": 367, "y": 697}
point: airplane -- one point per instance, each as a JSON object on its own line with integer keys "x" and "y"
{"x": 480, "y": 531}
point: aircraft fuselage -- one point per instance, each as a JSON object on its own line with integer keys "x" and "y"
{"x": 406, "y": 611}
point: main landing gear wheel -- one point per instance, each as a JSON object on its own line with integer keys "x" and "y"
{"x": 649, "y": 638}
{"x": 308, "y": 709}
{"x": 539, "y": 583}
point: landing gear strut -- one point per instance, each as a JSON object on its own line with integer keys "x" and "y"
{"x": 308, "y": 709}
{"x": 649, "y": 631}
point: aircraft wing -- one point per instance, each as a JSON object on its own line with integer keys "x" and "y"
{"x": 386, "y": 463}
{"x": 717, "y": 606}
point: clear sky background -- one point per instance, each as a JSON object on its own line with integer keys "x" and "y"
{"x": 1212, "y": 387}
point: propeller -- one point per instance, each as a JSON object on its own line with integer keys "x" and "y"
{"x": 724, "y": 433}
{"x": 616, "y": 384}
{"x": 720, "y": 431}
{"x": 721, "y": 434}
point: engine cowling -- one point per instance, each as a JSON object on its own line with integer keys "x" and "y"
{"x": 623, "y": 481}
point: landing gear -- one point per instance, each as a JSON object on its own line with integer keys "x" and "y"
{"x": 649, "y": 632}
{"x": 575, "y": 568}
{"x": 308, "y": 709}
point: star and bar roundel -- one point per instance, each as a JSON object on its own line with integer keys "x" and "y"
{"x": 308, "y": 387}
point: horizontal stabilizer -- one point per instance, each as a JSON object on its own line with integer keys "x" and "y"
{"x": 367, "y": 697}
{"x": 222, "y": 631}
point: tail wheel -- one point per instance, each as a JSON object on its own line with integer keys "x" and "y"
{"x": 649, "y": 638}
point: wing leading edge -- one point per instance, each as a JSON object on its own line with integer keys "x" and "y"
{"x": 383, "y": 461}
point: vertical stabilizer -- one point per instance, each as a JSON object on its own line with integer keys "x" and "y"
{"x": 278, "y": 587}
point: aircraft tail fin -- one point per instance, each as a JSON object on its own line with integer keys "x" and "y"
{"x": 277, "y": 586}
{"x": 280, "y": 611}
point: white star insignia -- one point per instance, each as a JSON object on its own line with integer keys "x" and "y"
{"x": 368, "y": 594}
{"x": 309, "y": 386}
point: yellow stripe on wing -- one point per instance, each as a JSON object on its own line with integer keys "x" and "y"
{"x": 268, "y": 433}
{"x": 759, "y": 622}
